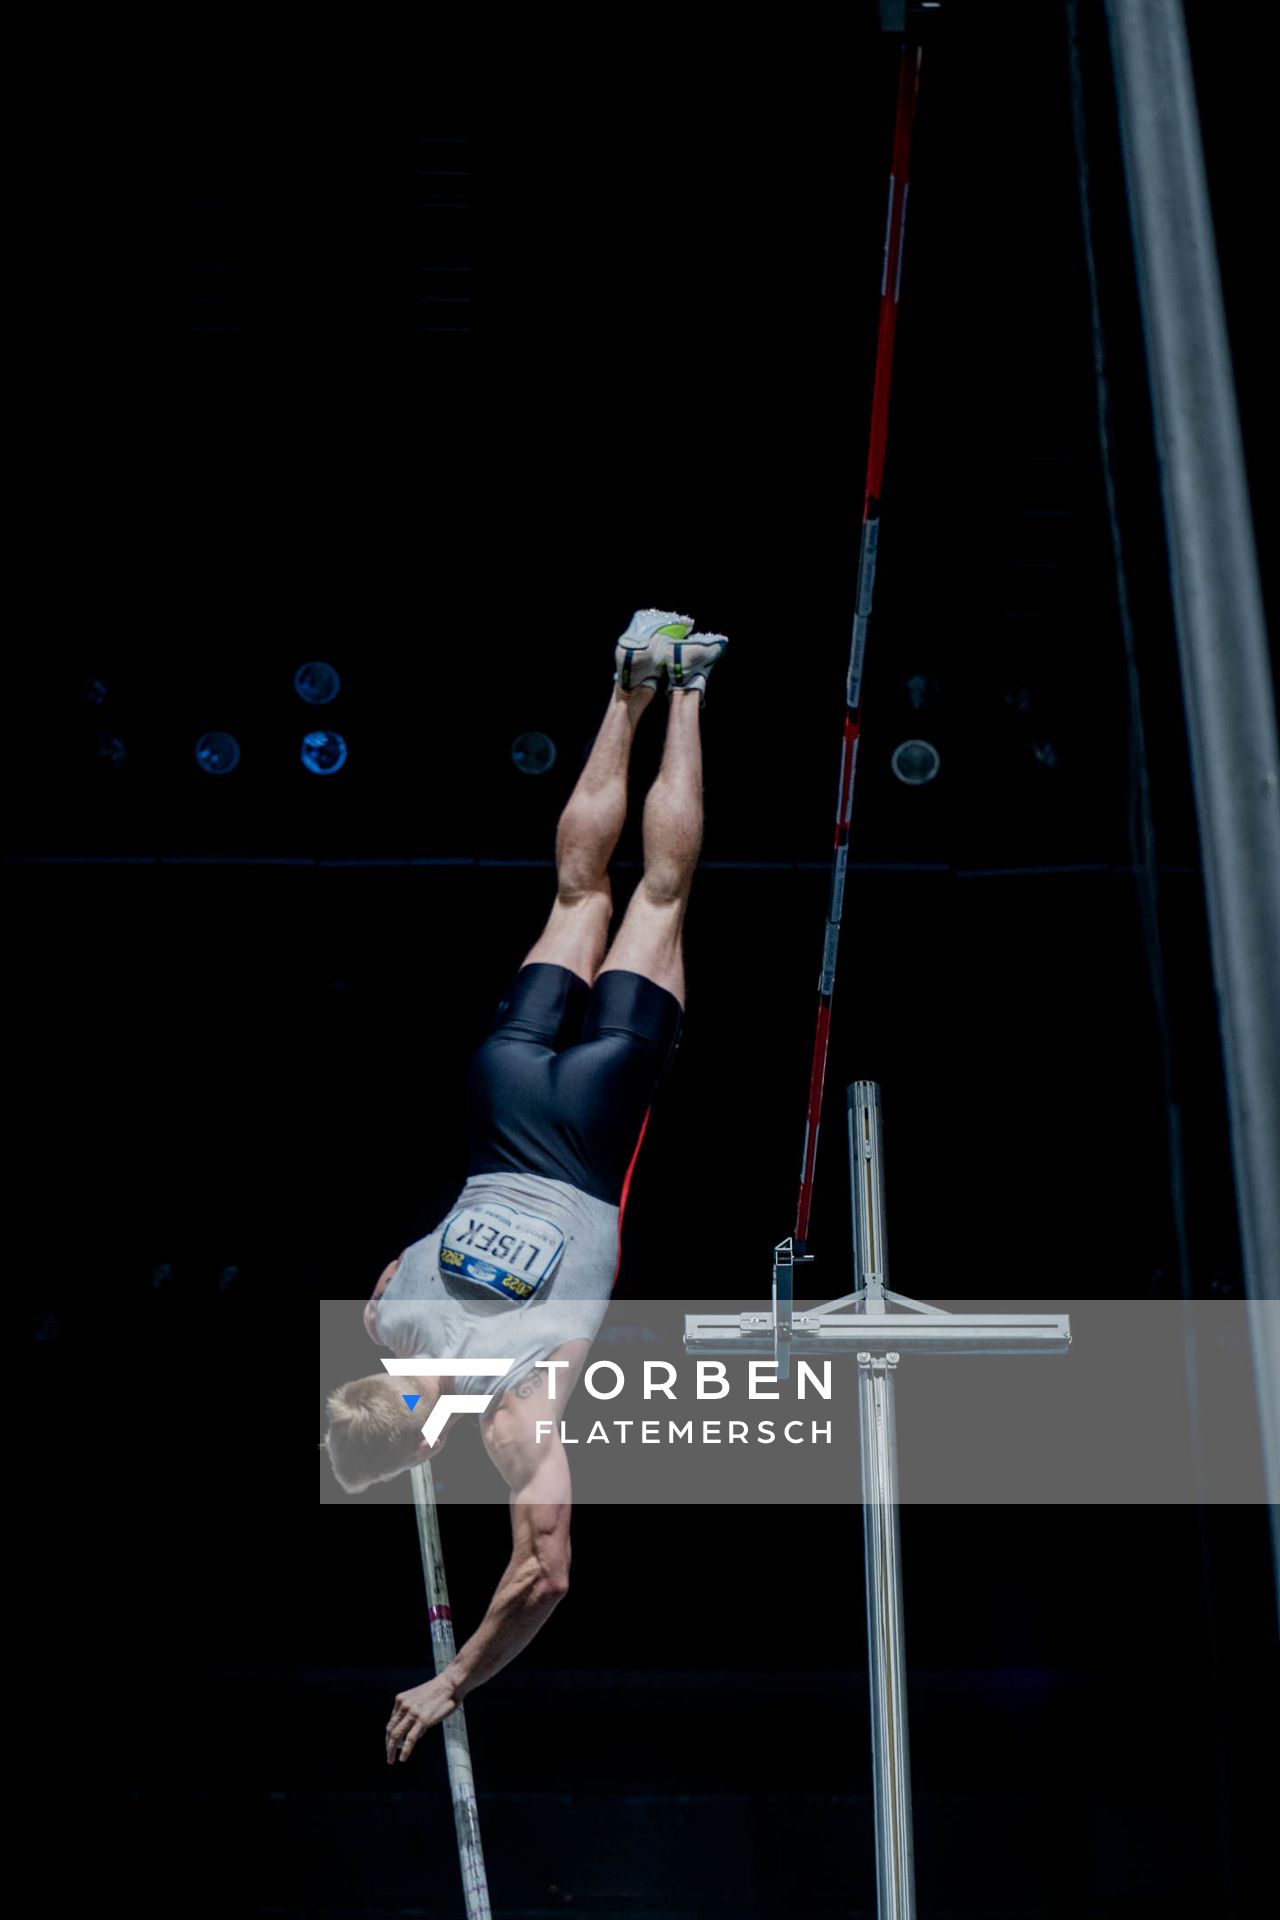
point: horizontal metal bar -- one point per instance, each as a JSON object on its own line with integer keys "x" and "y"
{"x": 728, "y": 1333}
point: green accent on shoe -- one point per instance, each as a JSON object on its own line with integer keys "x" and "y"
{"x": 677, "y": 630}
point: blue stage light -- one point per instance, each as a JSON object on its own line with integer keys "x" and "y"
{"x": 217, "y": 752}
{"x": 317, "y": 682}
{"x": 94, "y": 691}
{"x": 533, "y": 752}
{"x": 113, "y": 749}
{"x": 324, "y": 752}
{"x": 915, "y": 762}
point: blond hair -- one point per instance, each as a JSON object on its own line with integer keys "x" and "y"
{"x": 372, "y": 1433}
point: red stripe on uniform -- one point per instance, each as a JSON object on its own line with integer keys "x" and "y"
{"x": 626, "y": 1188}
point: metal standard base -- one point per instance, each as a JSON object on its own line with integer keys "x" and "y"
{"x": 878, "y": 1338}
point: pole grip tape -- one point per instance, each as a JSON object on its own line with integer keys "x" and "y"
{"x": 829, "y": 946}
{"x": 836, "y": 907}
{"x": 862, "y": 606}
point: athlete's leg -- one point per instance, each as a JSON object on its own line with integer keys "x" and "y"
{"x": 649, "y": 938}
{"x": 577, "y": 928}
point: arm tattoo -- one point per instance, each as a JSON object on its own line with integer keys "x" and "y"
{"x": 530, "y": 1383}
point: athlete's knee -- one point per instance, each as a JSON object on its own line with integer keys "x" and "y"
{"x": 578, "y": 892}
{"x": 665, "y": 884}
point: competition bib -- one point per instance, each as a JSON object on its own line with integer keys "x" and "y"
{"x": 501, "y": 1249}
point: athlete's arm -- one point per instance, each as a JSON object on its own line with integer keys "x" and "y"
{"x": 537, "y": 1575}
{"x": 371, "y": 1304}
{"x": 536, "y": 1578}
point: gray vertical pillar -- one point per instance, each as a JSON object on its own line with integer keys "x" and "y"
{"x": 1222, "y": 640}
{"x": 886, "y": 1651}
{"x": 881, "y": 1529}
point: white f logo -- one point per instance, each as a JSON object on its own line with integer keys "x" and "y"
{"x": 449, "y": 1402}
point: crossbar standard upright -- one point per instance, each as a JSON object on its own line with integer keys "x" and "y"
{"x": 862, "y": 1323}
{"x": 462, "y": 1786}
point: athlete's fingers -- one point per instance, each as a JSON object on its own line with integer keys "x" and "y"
{"x": 410, "y": 1740}
{"x": 395, "y": 1726}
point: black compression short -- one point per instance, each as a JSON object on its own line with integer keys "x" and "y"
{"x": 563, "y": 1083}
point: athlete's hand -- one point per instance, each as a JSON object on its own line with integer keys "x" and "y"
{"x": 417, "y": 1709}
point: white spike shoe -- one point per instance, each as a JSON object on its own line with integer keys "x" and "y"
{"x": 688, "y": 662}
{"x": 639, "y": 654}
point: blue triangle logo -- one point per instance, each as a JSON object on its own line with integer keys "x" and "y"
{"x": 411, "y": 1400}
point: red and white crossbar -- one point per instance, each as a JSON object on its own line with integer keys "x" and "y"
{"x": 890, "y": 282}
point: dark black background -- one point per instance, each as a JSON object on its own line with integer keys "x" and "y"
{"x": 242, "y": 1012}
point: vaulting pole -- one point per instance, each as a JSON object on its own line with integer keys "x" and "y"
{"x": 462, "y": 1786}
{"x": 890, "y": 282}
